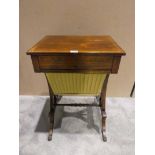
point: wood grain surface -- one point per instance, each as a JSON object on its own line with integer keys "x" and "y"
{"x": 92, "y": 53}
{"x": 83, "y": 44}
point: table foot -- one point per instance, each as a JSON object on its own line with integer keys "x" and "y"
{"x": 49, "y": 137}
{"x": 104, "y": 137}
{"x": 51, "y": 125}
{"x": 103, "y": 130}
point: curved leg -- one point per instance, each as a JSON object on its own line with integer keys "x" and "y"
{"x": 52, "y": 110}
{"x": 103, "y": 107}
{"x": 51, "y": 116}
{"x": 51, "y": 124}
{"x": 103, "y": 130}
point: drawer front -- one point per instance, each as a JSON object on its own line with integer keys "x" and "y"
{"x": 75, "y": 62}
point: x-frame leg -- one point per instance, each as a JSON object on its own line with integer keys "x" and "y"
{"x": 101, "y": 98}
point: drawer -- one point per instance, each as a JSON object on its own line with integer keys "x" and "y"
{"x": 95, "y": 54}
{"x": 65, "y": 63}
{"x": 75, "y": 62}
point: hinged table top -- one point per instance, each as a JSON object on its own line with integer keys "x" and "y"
{"x": 78, "y": 44}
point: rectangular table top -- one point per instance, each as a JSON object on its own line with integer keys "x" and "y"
{"x": 78, "y": 44}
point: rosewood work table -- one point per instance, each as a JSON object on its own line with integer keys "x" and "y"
{"x": 76, "y": 65}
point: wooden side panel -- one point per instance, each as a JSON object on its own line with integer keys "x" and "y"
{"x": 115, "y": 65}
{"x": 35, "y": 63}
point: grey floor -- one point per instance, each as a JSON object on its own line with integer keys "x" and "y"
{"x": 76, "y": 129}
